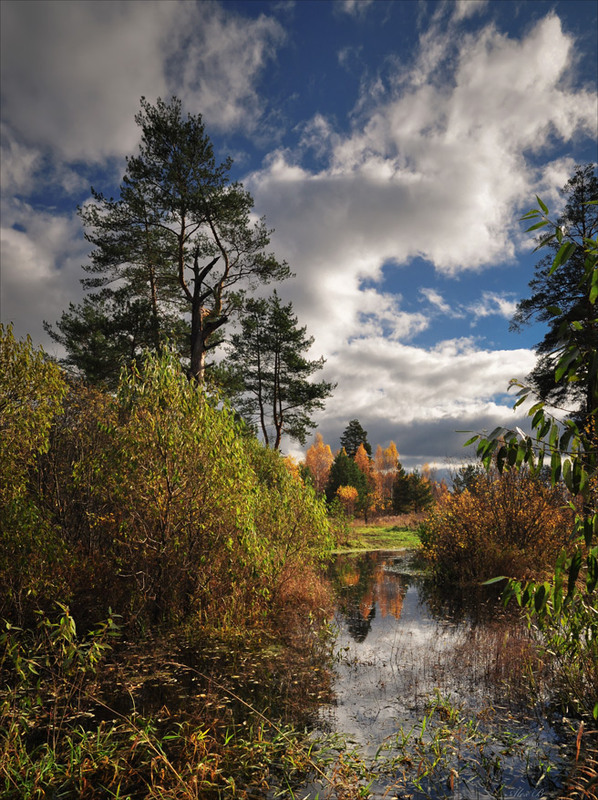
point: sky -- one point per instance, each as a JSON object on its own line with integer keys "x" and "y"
{"x": 392, "y": 147}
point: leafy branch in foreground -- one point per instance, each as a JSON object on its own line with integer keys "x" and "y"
{"x": 565, "y": 606}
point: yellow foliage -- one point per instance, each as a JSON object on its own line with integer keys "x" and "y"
{"x": 348, "y": 496}
{"x": 362, "y": 460}
{"x": 292, "y": 466}
{"x": 507, "y": 525}
{"x": 318, "y": 460}
{"x": 386, "y": 463}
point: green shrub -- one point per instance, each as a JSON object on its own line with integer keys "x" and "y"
{"x": 31, "y": 552}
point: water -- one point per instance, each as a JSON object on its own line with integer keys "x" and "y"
{"x": 429, "y": 695}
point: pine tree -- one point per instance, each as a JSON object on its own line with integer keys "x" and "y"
{"x": 170, "y": 254}
{"x": 272, "y": 374}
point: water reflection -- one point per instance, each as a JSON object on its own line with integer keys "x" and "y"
{"x": 365, "y": 589}
{"x": 400, "y": 645}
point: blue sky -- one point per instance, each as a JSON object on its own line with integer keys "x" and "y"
{"x": 392, "y": 146}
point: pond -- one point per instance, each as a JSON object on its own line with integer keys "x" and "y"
{"x": 432, "y": 697}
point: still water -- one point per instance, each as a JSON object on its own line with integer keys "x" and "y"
{"x": 434, "y": 697}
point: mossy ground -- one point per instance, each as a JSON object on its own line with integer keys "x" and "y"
{"x": 384, "y": 533}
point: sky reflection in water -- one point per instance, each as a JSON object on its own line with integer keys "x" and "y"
{"x": 398, "y": 647}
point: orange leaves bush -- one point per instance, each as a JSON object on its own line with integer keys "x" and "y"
{"x": 506, "y": 525}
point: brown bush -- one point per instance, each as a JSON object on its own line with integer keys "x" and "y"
{"x": 507, "y": 524}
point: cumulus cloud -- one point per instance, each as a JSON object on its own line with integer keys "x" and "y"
{"x": 435, "y": 172}
{"x": 393, "y": 388}
{"x": 492, "y": 303}
{"x": 217, "y": 60}
{"x": 501, "y": 304}
{"x": 72, "y": 72}
{"x": 434, "y": 169}
{"x": 42, "y": 255}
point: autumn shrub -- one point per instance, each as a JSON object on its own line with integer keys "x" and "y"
{"x": 31, "y": 552}
{"x": 150, "y": 501}
{"x": 186, "y": 515}
{"x": 506, "y": 525}
{"x": 292, "y": 526}
{"x": 177, "y": 489}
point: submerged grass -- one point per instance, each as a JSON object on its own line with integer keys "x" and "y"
{"x": 186, "y": 716}
{"x": 226, "y": 716}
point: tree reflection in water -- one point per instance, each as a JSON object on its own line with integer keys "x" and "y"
{"x": 401, "y": 644}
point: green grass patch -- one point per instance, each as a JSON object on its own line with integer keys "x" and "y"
{"x": 381, "y": 537}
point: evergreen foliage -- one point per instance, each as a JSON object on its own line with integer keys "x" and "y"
{"x": 344, "y": 472}
{"x": 410, "y": 492}
{"x": 353, "y": 436}
{"x": 466, "y": 477}
{"x": 170, "y": 254}
{"x": 272, "y": 373}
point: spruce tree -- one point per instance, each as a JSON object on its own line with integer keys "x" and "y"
{"x": 353, "y": 436}
{"x": 345, "y": 472}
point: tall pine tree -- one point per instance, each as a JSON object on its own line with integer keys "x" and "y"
{"x": 170, "y": 254}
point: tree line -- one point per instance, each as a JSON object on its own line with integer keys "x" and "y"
{"x": 360, "y": 483}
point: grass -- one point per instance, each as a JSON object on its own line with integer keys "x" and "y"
{"x": 385, "y": 533}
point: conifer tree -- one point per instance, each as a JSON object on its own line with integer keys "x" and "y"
{"x": 344, "y": 472}
{"x": 353, "y": 436}
{"x": 272, "y": 373}
{"x": 170, "y": 254}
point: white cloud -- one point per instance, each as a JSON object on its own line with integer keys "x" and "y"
{"x": 436, "y": 299}
{"x": 394, "y": 389}
{"x": 492, "y": 303}
{"x": 41, "y": 268}
{"x": 18, "y": 163}
{"x": 354, "y": 8}
{"x": 467, "y": 8}
{"x": 72, "y": 73}
{"x": 434, "y": 170}
{"x": 217, "y": 61}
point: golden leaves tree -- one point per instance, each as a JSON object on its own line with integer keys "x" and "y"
{"x": 367, "y": 498}
{"x": 386, "y": 464}
{"x": 318, "y": 460}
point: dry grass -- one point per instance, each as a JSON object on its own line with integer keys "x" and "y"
{"x": 411, "y": 521}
